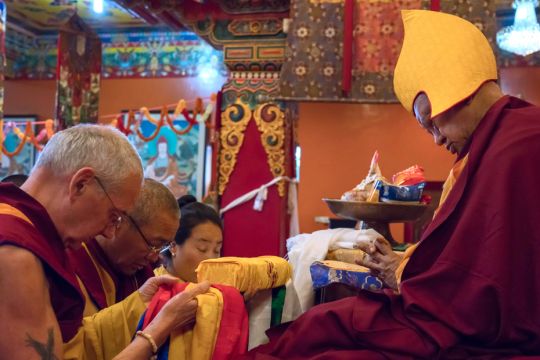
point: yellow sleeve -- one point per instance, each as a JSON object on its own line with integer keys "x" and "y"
{"x": 406, "y": 256}
{"x": 160, "y": 271}
{"x": 106, "y": 333}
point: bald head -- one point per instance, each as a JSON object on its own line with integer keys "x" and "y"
{"x": 155, "y": 198}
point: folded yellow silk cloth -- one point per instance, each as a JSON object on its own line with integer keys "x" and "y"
{"x": 246, "y": 274}
{"x": 198, "y": 343}
{"x": 346, "y": 255}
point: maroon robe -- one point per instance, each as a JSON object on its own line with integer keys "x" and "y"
{"x": 472, "y": 286}
{"x": 88, "y": 274}
{"x": 44, "y": 242}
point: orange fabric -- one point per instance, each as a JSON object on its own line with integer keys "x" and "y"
{"x": 447, "y": 187}
{"x": 451, "y": 180}
{"x": 6, "y": 209}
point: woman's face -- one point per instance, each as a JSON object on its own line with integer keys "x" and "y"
{"x": 204, "y": 243}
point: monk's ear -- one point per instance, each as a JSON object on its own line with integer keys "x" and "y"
{"x": 80, "y": 182}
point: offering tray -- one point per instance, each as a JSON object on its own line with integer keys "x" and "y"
{"x": 377, "y": 215}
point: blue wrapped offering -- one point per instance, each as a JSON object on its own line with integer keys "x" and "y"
{"x": 324, "y": 273}
{"x": 399, "y": 194}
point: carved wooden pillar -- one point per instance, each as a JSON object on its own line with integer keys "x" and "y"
{"x": 256, "y": 146}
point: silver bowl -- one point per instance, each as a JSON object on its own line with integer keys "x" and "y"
{"x": 383, "y": 212}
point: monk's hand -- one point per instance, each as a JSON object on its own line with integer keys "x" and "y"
{"x": 381, "y": 260}
{"x": 179, "y": 312}
{"x": 151, "y": 286}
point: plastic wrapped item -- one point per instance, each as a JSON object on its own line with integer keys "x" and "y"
{"x": 406, "y": 185}
{"x": 362, "y": 191}
{"x": 410, "y": 176}
{"x": 399, "y": 194}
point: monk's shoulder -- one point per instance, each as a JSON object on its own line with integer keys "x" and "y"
{"x": 23, "y": 284}
{"x": 18, "y": 262}
{"x": 15, "y": 254}
{"x": 516, "y": 139}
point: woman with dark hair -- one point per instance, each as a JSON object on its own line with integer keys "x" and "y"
{"x": 199, "y": 237}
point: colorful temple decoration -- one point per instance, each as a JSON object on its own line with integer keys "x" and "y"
{"x": 172, "y": 145}
{"x": 130, "y": 55}
{"x": 325, "y": 62}
{"x": 247, "y": 44}
{"x": 31, "y": 57}
{"x": 321, "y": 59}
{"x": 377, "y": 39}
{"x": 255, "y": 132}
{"x": 48, "y": 15}
{"x": 21, "y": 142}
{"x": 2, "y": 55}
{"x": 270, "y": 120}
{"x": 172, "y": 159}
{"x": 79, "y": 68}
{"x": 255, "y": 148}
{"x": 159, "y": 54}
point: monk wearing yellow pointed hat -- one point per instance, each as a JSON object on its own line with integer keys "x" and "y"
{"x": 470, "y": 288}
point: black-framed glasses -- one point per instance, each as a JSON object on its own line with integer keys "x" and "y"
{"x": 118, "y": 214}
{"x": 151, "y": 248}
{"x": 118, "y": 218}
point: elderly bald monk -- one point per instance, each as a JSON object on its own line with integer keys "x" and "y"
{"x": 110, "y": 270}
{"x": 470, "y": 288}
{"x": 85, "y": 180}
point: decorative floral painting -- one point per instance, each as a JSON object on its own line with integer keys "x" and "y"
{"x": 315, "y": 50}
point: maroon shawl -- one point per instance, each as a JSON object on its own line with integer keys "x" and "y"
{"x": 471, "y": 287}
{"x": 88, "y": 274}
{"x": 43, "y": 241}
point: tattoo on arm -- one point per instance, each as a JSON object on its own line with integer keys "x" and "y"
{"x": 45, "y": 350}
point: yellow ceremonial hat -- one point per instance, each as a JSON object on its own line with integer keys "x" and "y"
{"x": 444, "y": 56}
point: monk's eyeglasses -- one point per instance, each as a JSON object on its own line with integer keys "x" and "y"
{"x": 117, "y": 213}
{"x": 152, "y": 249}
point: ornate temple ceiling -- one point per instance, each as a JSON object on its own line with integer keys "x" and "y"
{"x": 42, "y": 16}
{"x": 47, "y": 16}
{"x": 180, "y": 13}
